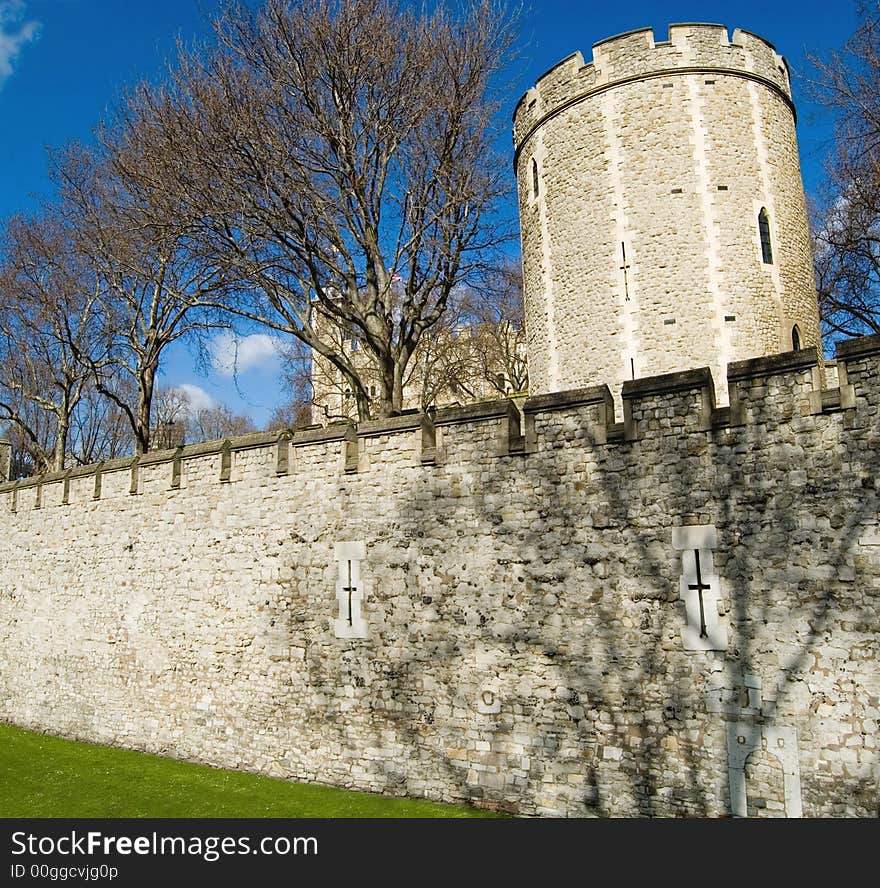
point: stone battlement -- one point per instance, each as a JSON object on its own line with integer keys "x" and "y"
{"x": 635, "y": 55}
{"x": 539, "y": 610}
{"x": 779, "y": 387}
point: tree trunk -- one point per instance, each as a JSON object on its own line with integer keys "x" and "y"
{"x": 363, "y": 403}
{"x": 63, "y": 430}
{"x": 397, "y": 393}
{"x": 387, "y": 386}
{"x": 146, "y": 382}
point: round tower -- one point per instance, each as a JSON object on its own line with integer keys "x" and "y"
{"x": 663, "y": 218}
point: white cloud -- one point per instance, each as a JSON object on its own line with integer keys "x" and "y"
{"x": 231, "y": 354}
{"x": 13, "y": 35}
{"x": 196, "y": 397}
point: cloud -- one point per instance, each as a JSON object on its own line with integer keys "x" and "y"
{"x": 196, "y": 397}
{"x": 13, "y": 35}
{"x": 231, "y": 354}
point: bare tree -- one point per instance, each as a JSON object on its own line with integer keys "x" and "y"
{"x": 99, "y": 428}
{"x": 154, "y": 285}
{"x": 847, "y": 220}
{"x": 292, "y": 414}
{"x": 179, "y": 421}
{"x": 498, "y": 314}
{"x": 219, "y": 421}
{"x": 298, "y": 379}
{"x": 171, "y": 415}
{"x": 337, "y": 155}
{"x": 475, "y": 352}
{"x": 478, "y": 349}
{"x": 49, "y": 319}
{"x": 446, "y": 366}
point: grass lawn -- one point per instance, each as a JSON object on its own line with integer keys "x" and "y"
{"x": 43, "y": 776}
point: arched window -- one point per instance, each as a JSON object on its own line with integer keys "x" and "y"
{"x": 534, "y": 177}
{"x": 764, "y": 232}
{"x": 795, "y": 338}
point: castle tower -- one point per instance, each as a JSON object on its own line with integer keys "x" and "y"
{"x": 662, "y": 210}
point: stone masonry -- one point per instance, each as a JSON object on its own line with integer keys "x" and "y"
{"x": 550, "y": 612}
{"x": 641, "y": 175}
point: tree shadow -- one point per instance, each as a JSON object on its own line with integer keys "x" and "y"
{"x": 551, "y": 578}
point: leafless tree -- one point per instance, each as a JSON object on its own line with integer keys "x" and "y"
{"x": 49, "y": 318}
{"x": 290, "y": 415}
{"x": 498, "y": 318}
{"x": 847, "y": 219}
{"x": 338, "y": 156}
{"x": 179, "y": 421}
{"x": 219, "y": 421}
{"x": 170, "y": 415}
{"x": 446, "y": 366}
{"x": 478, "y": 349}
{"x": 99, "y": 428}
{"x": 154, "y": 285}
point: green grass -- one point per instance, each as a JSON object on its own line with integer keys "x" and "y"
{"x": 43, "y": 776}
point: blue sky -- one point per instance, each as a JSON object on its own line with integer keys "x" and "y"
{"x": 63, "y": 63}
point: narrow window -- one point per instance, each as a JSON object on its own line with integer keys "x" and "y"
{"x": 350, "y": 622}
{"x": 795, "y": 338}
{"x": 764, "y": 232}
{"x": 534, "y": 177}
{"x": 699, "y": 588}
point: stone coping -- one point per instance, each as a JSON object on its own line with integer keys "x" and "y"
{"x": 594, "y": 394}
{"x": 475, "y": 412}
{"x": 159, "y": 456}
{"x": 668, "y": 382}
{"x": 339, "y": 432}
{"x": 860, "y": 347}
{"x": 804, "y": 359}
{"x": 404, "y": 422}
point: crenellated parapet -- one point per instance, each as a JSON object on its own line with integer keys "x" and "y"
{"x": 782, "y": 389}
{"x": 636, "y": 55}
{"x": 517, "y": 605}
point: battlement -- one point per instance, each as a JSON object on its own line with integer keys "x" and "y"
{"x": 636, "y": 55}
{"x": 437, "y": 604}
{"x": 776, "y": 389}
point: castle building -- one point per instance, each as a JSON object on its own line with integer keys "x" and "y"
{"x": 453, "y": 365}
{"x": 662, "y": 210}
{"x": 537, "y": 607}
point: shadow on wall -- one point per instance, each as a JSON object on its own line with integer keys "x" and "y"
{"x": 575, "y": 623}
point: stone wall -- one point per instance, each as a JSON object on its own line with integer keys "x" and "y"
{"x": 641, "y": 177}
{"x": 530, "y": 643}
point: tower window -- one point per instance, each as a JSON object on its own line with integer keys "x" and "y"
{"x": 764, "y": 232}
{"x": 795, "y": 338}
{"x": 534, "y": 177}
